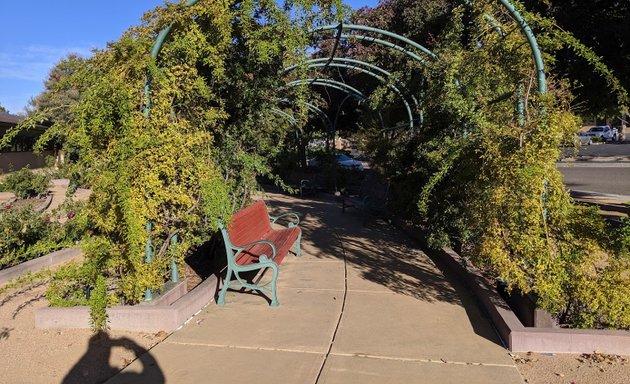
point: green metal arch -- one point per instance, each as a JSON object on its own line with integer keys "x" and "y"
{"x": 384, "y": 43}
{"x": 336, "y": 85}
{"x": 352, "y": 61}
{"x": 282, "y": 113}
{"x": 355, "y": 27}
{"x": 332, "y": 84}
{"x": 516, "y": 15}
{"x": 312, "y": 108}
{"x": 380, "y": 78}
{"x": 322, "y": 115}
{"x": 155, "y": 51}
{"x": 533, "y": 44}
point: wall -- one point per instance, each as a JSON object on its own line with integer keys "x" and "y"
{"x": 13, "y": 161}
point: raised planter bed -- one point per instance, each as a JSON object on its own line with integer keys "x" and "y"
{"x": 170, "y": 312}
{"x": 39, "y": 263}
{"x": 516, "y": 336}
{"x": 167, "y": 312}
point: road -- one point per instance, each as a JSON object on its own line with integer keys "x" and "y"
{"x": 608, "y": 151}
{"x": 609, "y": 178}
{"x": 603, "y": 168}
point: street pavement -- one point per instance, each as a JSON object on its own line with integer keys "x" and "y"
{"x": 362, "y": 305}
{"x": 601, "y": 168}
{"x": 602, "y": 177}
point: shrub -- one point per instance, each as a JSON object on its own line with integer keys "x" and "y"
{"x": 25, "y": 183}
{"x": 26, "y": 234}
{"x": 22, "y": 233}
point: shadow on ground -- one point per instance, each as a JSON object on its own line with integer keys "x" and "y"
{"x": 383, "y": 255}
{"x": 94, "y": 366}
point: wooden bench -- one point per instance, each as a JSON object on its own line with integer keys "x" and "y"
{"x": 251, "y": 244}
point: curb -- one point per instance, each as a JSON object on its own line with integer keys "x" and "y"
{"x": 39, "y": 263}
{"x": 517, "y": 337}
{"x": 44, "y": 206}
{"x": 137, "y": 318}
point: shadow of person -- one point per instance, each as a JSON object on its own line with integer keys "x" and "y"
{"x": 94, "y": 366}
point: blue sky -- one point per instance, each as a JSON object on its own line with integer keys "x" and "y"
{"x": 36, "y": 34}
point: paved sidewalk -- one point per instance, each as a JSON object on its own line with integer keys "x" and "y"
{"x": 362, "y": 305}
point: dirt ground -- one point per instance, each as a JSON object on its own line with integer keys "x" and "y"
{"x": 573, "y": 369}
{"x": 66, "y": 356}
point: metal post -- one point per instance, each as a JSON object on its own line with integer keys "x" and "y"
{"x": 545, "y": 199}
{"x": 174, "y": 270}
{"x": 148, "y": 258}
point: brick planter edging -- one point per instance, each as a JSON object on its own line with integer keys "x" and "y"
{"x": 517, "y": 337}
{"x": 39, "y": 263}
{"x": 137, "y": 318}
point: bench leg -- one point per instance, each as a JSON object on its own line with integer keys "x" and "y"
{"x": 274, "y": 283}
{"x": 226, "y": 283}
{"x": 298, "y": 246}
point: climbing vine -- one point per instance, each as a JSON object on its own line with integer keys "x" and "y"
{"x": 490, "y": 184}
{"x": 209, "y": 134}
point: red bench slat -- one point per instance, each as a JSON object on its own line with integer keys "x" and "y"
{"x": 252, "y": 224}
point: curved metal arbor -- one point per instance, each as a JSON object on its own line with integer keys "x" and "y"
{"x": 513, "y": 11}
{"x": 525, "y": 29}
{"x": 356, "y": 65}
{"x": 516, "y": 15}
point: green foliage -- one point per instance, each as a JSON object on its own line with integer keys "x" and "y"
{"x": 68, "y": 286}
{"x": 488, "y": 177}
{"x": 27, "y": 234}
{"x": 98, "y": 305}
{"x": 23, "y": 234}
{"x": 25, "y": 183}
{"x": 194, "y": 156}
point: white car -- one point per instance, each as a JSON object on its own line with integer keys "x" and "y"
{"x": 346, "y": 161}
{"x": 603, "y": 131}
{"x": 583, "y": 138}
{"x": 343, "y": 160}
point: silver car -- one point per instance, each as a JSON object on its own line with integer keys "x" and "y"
{"x": 343, "y": 160}
{"x": 583, "y": 138}
{"x": 603, "y": 131}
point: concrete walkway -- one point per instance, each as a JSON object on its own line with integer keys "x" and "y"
{"x": 362, "y": 305}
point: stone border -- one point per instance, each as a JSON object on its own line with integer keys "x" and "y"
{"x": 166, "y": 313}
{"x": 39, "y": 263}
{"x": 517, "y": 337}
{"x": 44, "y": 206}
{"x": 137, "y": 318}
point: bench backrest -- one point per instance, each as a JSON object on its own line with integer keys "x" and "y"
{"x": 249, "y": 224}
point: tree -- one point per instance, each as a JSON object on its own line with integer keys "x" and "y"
{"x": 603, "y": 26}
{"x": 3, "y": 110}
{"x": 59, "y": 94}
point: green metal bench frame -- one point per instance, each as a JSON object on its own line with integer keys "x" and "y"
{"x": 264, "y": 261}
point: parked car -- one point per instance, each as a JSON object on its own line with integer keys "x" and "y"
{"x": 346, "y": 161}
{"x": 343, "y": 160}
{"x": 583, "y": 138}
{"x": 603, "y": 131}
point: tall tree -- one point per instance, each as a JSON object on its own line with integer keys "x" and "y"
{"x": 604, "y": 26}
{"x": 59, "y": 94}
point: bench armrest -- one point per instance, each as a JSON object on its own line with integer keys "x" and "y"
{"x": 291, "y": 223}
{"x": 241, "y": 248}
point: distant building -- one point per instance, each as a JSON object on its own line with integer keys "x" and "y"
{"x": 20, "y": 153}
